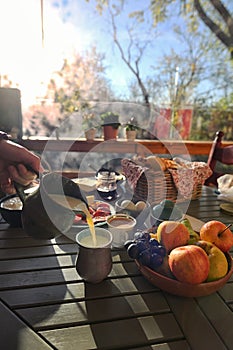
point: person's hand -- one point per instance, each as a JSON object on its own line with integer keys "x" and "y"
{"x": 14, "y": 160}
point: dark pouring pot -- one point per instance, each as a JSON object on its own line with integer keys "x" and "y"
{"x": 42, "y": 217}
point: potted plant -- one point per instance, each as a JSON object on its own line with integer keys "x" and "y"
{"x": 89, "y": 124}
{"x": 131, "y": 128}
{"x": 110, "y": 122}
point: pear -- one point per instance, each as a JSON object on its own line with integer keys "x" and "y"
{"x": 217, "y": 259}
{"x": 193, "y": 236}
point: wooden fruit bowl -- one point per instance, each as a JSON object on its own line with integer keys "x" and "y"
{"x": 175, "y": 287}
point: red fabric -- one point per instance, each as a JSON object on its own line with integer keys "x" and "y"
{"x": 189, "y": 175}
{"x": 132, "y": 172}
{"x": 185, "y": 117}
{"x": 162, "y": 124}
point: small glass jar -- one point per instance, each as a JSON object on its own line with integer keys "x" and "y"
{"x": 106, "y": 185}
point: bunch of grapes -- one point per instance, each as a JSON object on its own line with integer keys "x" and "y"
{"x": 148, "y": 251}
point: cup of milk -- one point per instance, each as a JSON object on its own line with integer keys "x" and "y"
{"x": 94, "y": 260}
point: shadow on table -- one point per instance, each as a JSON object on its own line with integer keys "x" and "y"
{"x": 129, "y": 321}
{"x": 127, "y": 311}
{"x": 34, "y": 281}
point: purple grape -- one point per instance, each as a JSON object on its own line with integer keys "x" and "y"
{"x": 154, "y": 249}
{"x": 161, "y": 251}
{"x": 127, "y": 243}
{"x": 153, "y": 242}
{"x": 133, "y": 251}
{"x": 144, "y": 257}
{"x": 155, "y": 261}
{"x": 146, "y": 236}
{"x": 140, "y": 235}
{"x": 142, "y": 245}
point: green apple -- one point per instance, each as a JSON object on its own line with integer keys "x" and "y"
{"x": 217, "y": 259}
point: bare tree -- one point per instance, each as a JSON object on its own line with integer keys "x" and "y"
{"x": 132, "y": 55}
{"x": 226, "y": 37}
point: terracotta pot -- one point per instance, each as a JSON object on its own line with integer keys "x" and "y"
{"x": 110, "y": 132}
{"x": 90, "y": 134}
{"x": 131, "y": 135}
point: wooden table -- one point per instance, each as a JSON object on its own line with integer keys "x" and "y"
{"x": 46, "y": 305}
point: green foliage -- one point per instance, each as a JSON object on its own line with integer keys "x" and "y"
{"x": 209, "y": 119}
{"x": 110, "y": 118}
{"x": 132, "y": 124}
{"x": 68, "y": 103}
{"x": 89, "y": 121}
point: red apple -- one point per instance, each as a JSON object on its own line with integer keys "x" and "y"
{"x": 217, "y": 259}
{"x": 189, "y": 264}
{"x": 216, "y": 232}
{"x": 172, "y": 234}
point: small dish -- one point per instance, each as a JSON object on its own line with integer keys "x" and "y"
{"x": 160, "y": 213}
{"x": 11, "y": 209}
{"x": 140, "y": 214}
{"x": 77, "y": 227}
{"x": 97, "y": 206}
{"x": 227, "y": 207}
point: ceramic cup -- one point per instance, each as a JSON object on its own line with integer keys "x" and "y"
{"x": 121, "y": 227}
{"x": 94, "y": 262}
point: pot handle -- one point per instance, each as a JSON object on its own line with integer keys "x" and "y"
{"x": 20, "y": 191}
{"x": 20, "y": 188}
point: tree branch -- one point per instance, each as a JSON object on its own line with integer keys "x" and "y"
{"x": 223, "y": 11}
{"x": 227, "y": 40}
{"x": 127, "y": 61}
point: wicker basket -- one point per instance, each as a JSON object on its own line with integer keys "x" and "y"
{"x": 155, "y": 186}
{"x": 165, "y": 178}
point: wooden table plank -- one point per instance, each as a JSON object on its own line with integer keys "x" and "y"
{"x": 37, "y": 263}
{"x": 223, "y": 323}
{"x": 56, "y": 275}
{"x": 94, "y": 311}
{"x": 55, "y": 261}
{"x": 120, "y": 334}
{"x": 30, "y": 252}
{"x": 227, "y": 292}
{"x": 15, "y": 334}
{"x": 177, "y": 345}
{"x": 197, "y": 328}
{"x": 50, "y": 294}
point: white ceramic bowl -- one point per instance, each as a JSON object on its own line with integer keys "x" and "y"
{"x": 121, "y": 227}
{"x": 10, "y": 210}
{"x": 141, "y": 216}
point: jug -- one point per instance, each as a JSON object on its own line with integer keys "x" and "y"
{"x": 42, "y": 216}
{"x": 94, "y": 262}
